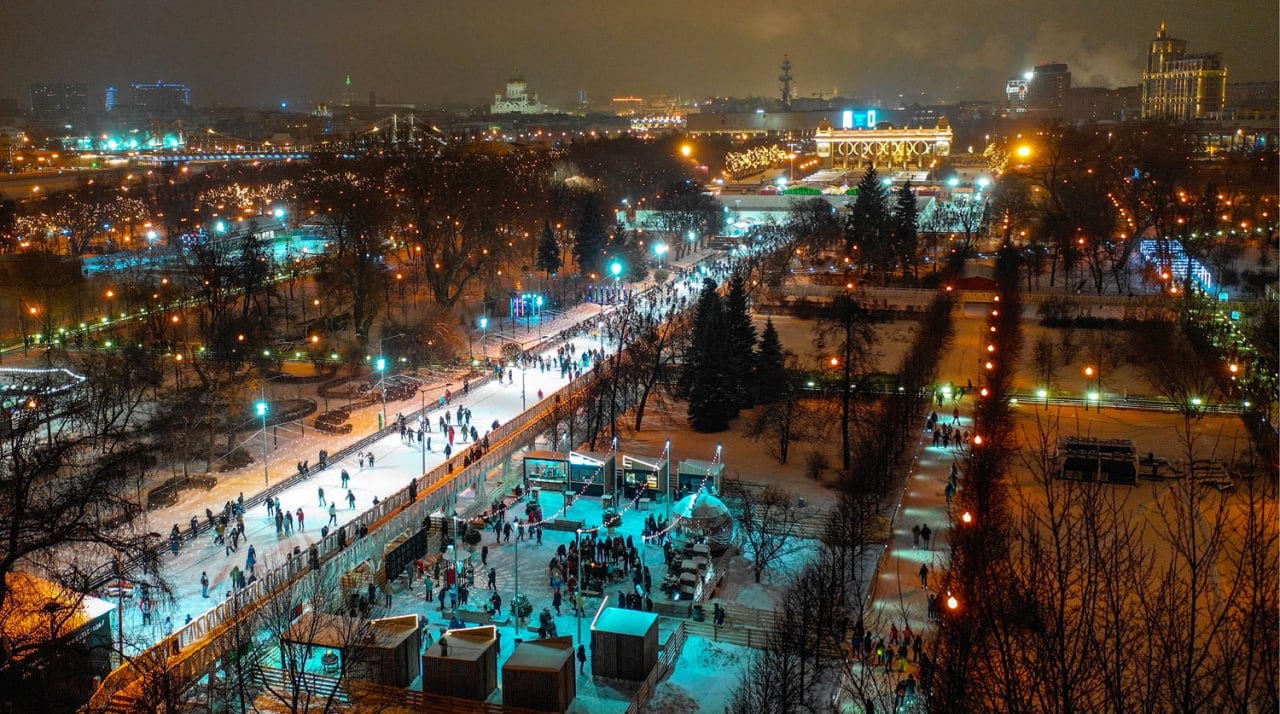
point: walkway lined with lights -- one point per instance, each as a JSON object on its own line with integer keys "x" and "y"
{"x": 898, "y": 595}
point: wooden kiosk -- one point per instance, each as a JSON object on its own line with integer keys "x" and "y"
{"x": 462, "y": 663}
{"x": 644, "y": 476}
{"x": 588, "y": 474}
{"x": 381, "y": 651}
{"x": 539, "y": 675}
{"x": 690, "y": 472}
{"x": 624, "y": 643}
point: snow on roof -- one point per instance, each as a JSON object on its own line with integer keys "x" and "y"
{"x": 469, "y": 643}
{"x": 541, "y": 655}
{"x": 625, "y": 622}
{"x": 34, "y": 604}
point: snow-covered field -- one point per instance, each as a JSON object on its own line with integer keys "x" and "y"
{"x": 703, "y": 680}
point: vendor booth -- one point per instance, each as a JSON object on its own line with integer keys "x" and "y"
{"x": 540, "y": 675}
{"x": 691, "y": 472}
{"x": 382, "y": 651}
{"x": 644, "y": 476}
{"x": 462, "y": 663}
{"x": 578, "y": 473}
{"x": 624, "y": 643}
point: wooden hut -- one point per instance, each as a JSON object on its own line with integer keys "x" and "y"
{"x": 691, "y": 473}
{"x": 382, "y": 651}
{"x": 539, "y": 675}
{"x": 462, "y": 663}
{"x": 624, "y": 643}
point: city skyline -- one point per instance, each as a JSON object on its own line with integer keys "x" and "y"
{"x": 446, "y": 55}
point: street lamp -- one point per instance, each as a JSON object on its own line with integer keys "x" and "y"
{"x": 577, "y": 593}
{"x": 615, "y": 269}
{"x": 261, "y": 408}
{"x": 1095, "y": 395}
{"x": 484, "y": 334}
{"x": 660, "y": 250}
{"x": 791, "y": 174}
{"x": 381, "y": 366}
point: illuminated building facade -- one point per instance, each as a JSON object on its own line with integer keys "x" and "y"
{"x": 1179, "y": 85}
{"x": 853, "y": 146}
{"x": 517, "y": 100}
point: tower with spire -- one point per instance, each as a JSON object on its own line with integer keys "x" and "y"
{"x": 785, "y": 78}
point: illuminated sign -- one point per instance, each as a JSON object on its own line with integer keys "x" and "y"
{"x": 852, "y": 119}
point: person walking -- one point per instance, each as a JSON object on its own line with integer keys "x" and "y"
{"x": 493, "y": 579}
{"x": 333, "y": 514}
{"x": 346, "y": 478}
{"x": 299, "y": 519}
{"x": 915, "y": 536}
{"x": 924, "y": 576}
{"x": 484, "y": 555}
{"x": 320, "y": 492}
{"x": 251, "y": 559}
{"x": 204, "y": 584}
{"x": 582, "y": 659}
{"x": 949, "y": 492}
{"x": 925, "y": 533}
{"x": 351, "y": 499}
{"x": 370, "y": 455}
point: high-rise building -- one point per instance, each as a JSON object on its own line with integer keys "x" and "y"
{"x": 110, "y": 99}
{"x": 1047, "y": 89}
{"x": 59, "y": 103}
{"x": 1180, "y": 85}
{"x": 161, "y": 97}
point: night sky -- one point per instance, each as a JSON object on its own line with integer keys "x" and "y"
{"x": 259, "y": 52}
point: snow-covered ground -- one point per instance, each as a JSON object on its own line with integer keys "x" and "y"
{"x": 704, "y": 678}
{"x": 395, "y": 463}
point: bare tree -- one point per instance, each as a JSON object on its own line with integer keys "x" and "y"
{"x": 767, "y": 526}
{"x": 72, "y": 460}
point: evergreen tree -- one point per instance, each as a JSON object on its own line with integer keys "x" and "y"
{"x": 592, "y": 236}
{"x": 548, "y": 251}
{"x": 626, "y": 246}
{"x": 905, "y": 229}
{"x": 741, "y": 339}
{"x": 770, "y": 373}
{"x": 869, "y": 225}
{"x": 705, "y": 379}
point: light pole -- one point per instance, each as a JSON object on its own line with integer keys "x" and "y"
{"x": 515, "y": 599}
{"x": 523, "y": 405}
{"x": 484, "y": 335}
{"x": 422, "y": 428}
{"x": 667, "y": 452}
{"x": 791, "y": 174}
{"x": 660, "y": 250}
{"x": 381, "y": 366}
{"x": 1094, "y": 396}
{"x": 577, "y": 593}
{"x": 615, "y": 269}
{"x": 262, "y": 412}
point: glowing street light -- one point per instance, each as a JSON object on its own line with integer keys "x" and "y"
{"x": 966, "y": 518}
{"x": 261, "y": 408}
